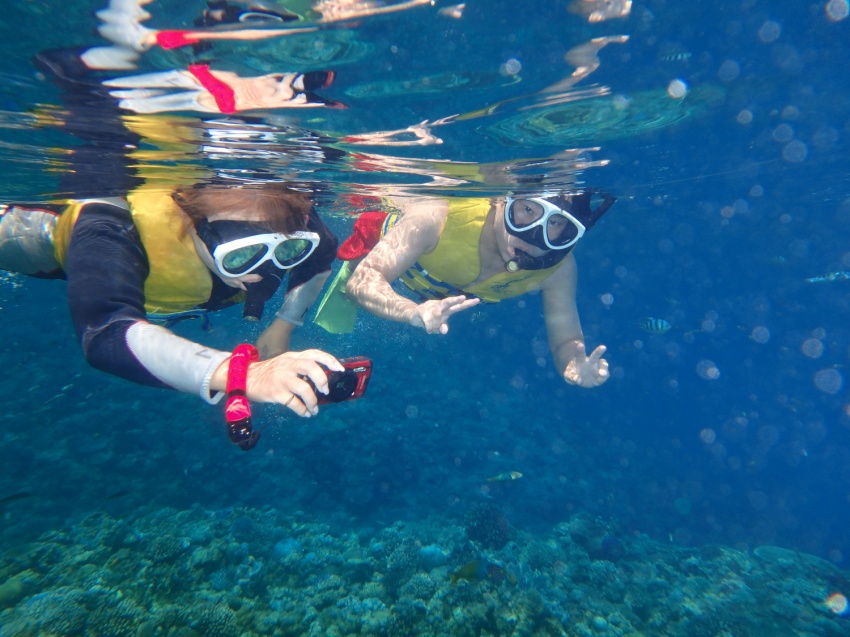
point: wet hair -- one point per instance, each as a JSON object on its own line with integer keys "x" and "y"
{"x": 277, "y": 206}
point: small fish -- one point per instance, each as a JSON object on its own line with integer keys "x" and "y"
{"x": 654, "y": 325}
{"x": 477, "y": 317}
{"x": 513, "y": 475}
{"x": 480, "y": 570}
{"x": 676, "y": 56}
{"x": 832, "y": 276}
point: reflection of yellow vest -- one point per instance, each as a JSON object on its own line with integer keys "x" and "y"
{"x": 453, "y": 266}
{"x": 178, "y": 280}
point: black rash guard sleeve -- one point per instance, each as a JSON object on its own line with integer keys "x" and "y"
{"x": 106, "y": 267}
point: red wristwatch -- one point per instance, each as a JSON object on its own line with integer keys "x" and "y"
{"x": 237, "y": 411}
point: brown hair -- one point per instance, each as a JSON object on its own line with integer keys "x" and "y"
{"x": 277, "y": 206}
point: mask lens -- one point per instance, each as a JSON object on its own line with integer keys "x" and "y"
{"x": 560, "y": 230}
{"x": 241, "y": 260}
{"x": 524, "y": 212}
{"x": 291, "y": 250}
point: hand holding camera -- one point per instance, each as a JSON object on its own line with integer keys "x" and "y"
{"x": 348, "y": 384}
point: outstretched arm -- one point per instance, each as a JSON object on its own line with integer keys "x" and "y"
{"x": 416, "y": 233}
{"x": 107, "y": 308}
{"x": 563, "y": 327}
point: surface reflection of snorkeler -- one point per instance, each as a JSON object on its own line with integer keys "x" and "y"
{"x": 136, "y": 253}
{"x": 198, "y": 88}
{"x": 455, "y": 253}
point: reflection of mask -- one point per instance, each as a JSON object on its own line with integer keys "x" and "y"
{"x": 262, "y": 290}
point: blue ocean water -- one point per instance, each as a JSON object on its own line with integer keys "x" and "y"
{"x": 703, "y": 490}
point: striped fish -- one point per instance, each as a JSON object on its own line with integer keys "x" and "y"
{"x": 654, "y": 325}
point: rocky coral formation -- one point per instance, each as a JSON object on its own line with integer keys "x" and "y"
{"x": 245, "y": 573}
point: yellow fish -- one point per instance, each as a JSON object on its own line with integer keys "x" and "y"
{"x": 513, "y": 475}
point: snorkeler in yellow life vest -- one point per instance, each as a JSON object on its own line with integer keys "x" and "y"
{"x": 452, "y": 268}
{"x": 453, "y": 254}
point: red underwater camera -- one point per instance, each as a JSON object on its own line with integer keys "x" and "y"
{"x": 349, "y": 384}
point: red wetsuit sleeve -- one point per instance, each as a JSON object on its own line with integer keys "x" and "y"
{"x": 224, "y": 97}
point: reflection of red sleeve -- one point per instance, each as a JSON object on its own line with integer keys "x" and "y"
{"x": 367, "y": 233}
{"x": 221, "y": 92}
{"x": 175, "y": 39}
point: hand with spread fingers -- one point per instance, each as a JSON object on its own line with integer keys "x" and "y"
{"x": 433, "y": 315}
{"x": 587, "y": 371}
{"x": 283, "y": 379}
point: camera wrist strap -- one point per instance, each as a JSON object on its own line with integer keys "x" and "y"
{"x": 237, "y": 411}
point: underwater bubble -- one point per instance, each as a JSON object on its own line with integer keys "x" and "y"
{"x": 728, "y": 71}
{"x": 607, "y": 299}
{"x": 824, "y": 137}
{"x": 795, "y": 151}
{"x": 511, "y": 67}
{"x": 837, "y": 10}
{"x": 708, "y": 325}
{"x": 829, "y": 381}
{"x": 760, "y": 334}
{"x": 769, "y": 32}
{"x": 708, "y": 436}
{"x": 745, "y": 117}
{"x": 411, "y": 411}
{"x": 837, "y": 603}
{"x": 812, "y": 347}
{"x": 783, "y": 133}
{"x": 791, "y": 112}
{"x": 677, "y": 89}
{"x": 757, "y": 191}
{"x": 707, "y": 370}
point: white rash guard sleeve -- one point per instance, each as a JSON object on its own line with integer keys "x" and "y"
{"x": 176, "y": 361}
{"x": 299, "y": 300}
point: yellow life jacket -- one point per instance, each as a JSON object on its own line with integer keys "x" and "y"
{"x": 453, "y": 266}
{"x": 178, "y": 280}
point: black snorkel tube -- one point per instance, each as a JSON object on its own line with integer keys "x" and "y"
{"x": 261, "y": 291}
{"x": 579, "y": 206}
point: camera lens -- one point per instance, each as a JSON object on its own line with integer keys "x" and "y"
{"x": 341, "y": 385}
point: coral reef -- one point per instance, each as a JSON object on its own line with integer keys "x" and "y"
{"x": 248, "y": 573}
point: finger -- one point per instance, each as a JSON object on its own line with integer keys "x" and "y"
{"x": 295, "y": 405}
{"x": 305, "y": 402}
{"x": 317, "y": 376}
{"x": 598, "y": 352}
{"x": 324, "y": 358}
{"x": 459, "y": 307}
{"x": 444, "y": 328}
